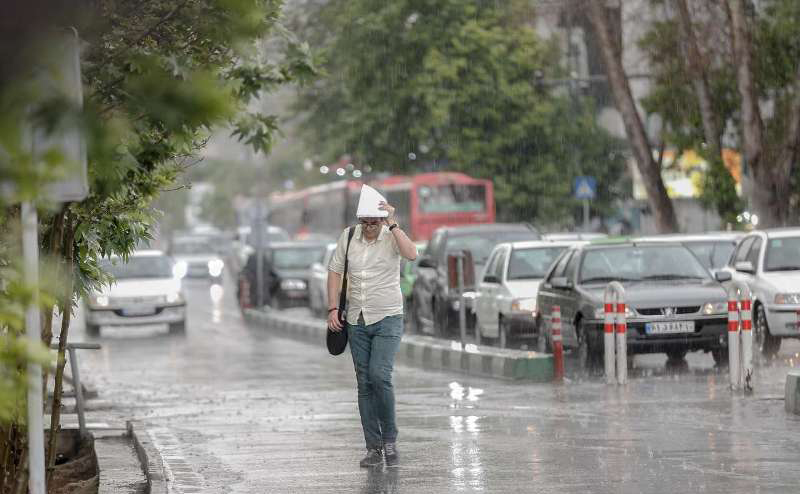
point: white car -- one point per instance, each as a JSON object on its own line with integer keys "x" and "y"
{"x": 199, "y": 256}
{"x": 147, "y": 290}
{"x": 318, "y": 283}
{"x": 769, "y": 262}
{"x": 505, "y": 303}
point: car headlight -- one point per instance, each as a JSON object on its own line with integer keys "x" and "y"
{"x": 527, "y": 304}
{"x": 100, "y": 300}
{"x": 215, "y": 267}
{"x": 173, "y": 297}
{"x": 715, "y": 308}
{"x": 600, "y": 312}
{"x": 180, "y": 269}
{"x": 293, "y": 285}
{"x": 787, "y": 299}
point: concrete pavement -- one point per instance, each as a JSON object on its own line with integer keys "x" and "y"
{"x": 235, "y": 409}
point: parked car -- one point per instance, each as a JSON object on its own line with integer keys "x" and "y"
{"x": 408, "y": 272}
{"x": 573, "y": 236}
{"x": 768, "y": 261}
{"x": 434, "y": 307}
{"x": 199, "y": 256}
{"x": 287, "y": 267}
{"x": 673, "y": 304}
{"x": 713, "y": 249}
{"x": 505, "y": 303}
{"x": 245, "y": 243}
{"x": 146, "y": 290}
{"x": 318, "y": 283}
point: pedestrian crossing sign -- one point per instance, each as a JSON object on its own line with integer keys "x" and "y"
{"x": 585, "y": 188}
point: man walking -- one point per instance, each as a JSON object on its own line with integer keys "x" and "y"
{"x": 374, "y": 316}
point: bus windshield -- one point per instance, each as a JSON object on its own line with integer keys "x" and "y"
{"x": 452, "y": 198}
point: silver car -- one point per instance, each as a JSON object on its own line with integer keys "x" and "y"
{"x": 673, "y": 304}
{"x": 769, "y": 262}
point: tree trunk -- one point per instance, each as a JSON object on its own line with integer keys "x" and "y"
{"x": 789, "y": 153}
{"x": 66, "y": 313}
{"x": 634, "y": 128}
{"x": 697, "y": 69}
{"x": 760, "y": 190}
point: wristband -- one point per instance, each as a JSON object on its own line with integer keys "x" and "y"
{"x": 331, "y": 310}
{"x": 394, "y": 225}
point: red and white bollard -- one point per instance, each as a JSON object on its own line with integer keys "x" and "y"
{"x": 558, "y": 348}
{"x": 608, "y": 344}
{"x": 740, "y": 336}
{"x": 615, "y": 329}
{"x": 622, "y": 342}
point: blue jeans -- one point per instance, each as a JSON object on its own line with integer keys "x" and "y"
{"x": 373, "y": 348}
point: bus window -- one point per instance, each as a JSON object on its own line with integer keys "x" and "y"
{"x": 401, "y": 200}
{"x": 452, "y": 198}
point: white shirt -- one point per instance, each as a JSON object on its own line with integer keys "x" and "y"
{"x": 373, "y": 275}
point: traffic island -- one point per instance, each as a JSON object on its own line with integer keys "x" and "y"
{"x": 426, "y": 351}
{"x": 792, "y": 398}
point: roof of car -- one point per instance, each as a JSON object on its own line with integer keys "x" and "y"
{"x": 295, "y": 244}
{"x": 148, "y": 253}
{"x": 782, "y": 232}
{"x": 574, "y": 236}
{"x": 491, "y": 227}
{"x": 692, "y": 237}
{"x": 625, "y": 243}
{"x": 533, "y": 244}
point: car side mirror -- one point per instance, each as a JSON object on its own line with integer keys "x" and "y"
{"x": 490, "y": 278}
{"x": 745, "y": 267}
{"x": 562, "y": 283}
{"x": 427, "y": 262}
{"x": 722, "y": 276}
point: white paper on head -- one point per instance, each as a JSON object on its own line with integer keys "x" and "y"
{"x": 368, "y": 203}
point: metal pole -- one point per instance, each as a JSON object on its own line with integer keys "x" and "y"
{"x": 622, "y": 341}
{"x": 733, "y": 339}
{"x": 558, "y": 348}
{"x": 260, "y": 255}
{"x": 30, "y": 252}
{"x": 608, "y": 338}
{"x": 462, "y": 310}
{"x": 76, "y": 383}
{"x": 586, "y": 215}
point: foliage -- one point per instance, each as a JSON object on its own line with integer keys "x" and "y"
{"x": 776, "y": 51}
{"x": 158, "y": 76}
{"x": 451, "y": 85}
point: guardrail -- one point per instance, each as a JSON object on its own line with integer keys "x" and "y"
{"x": 740, "y": 336}
{"x": 614, "y": 334}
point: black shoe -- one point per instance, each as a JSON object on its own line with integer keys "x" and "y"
{"x": 390, "y": 453}
{"x": 374, "y": 458}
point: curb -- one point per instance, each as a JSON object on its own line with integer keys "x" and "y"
{"x": 150, "y": 459}
{"x": 792, "y": 397}
{"x": 427, "y": 351}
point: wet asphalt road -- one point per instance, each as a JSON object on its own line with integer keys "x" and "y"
{"x": 239, "y": 410}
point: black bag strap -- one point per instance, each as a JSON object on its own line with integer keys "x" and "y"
{"x": 343, "y": 293}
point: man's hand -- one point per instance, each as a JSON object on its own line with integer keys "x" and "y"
{"x": 333, "y": 321}
{"x": 385, "y": 206}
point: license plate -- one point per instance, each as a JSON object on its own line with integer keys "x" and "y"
{"x": 138, "y": 311}
{"x": 670, "y": 327}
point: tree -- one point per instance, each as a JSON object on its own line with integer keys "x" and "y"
{"x": 158, "y": 75}
{"x": 418, "y": 85}
{"x": 649, "y": 169}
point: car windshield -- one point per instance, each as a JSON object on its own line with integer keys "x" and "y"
{"x": 188, "y": 247}
{"x": 531, "y": 263}
{"x": 641, "y": 263}
{"x": 783, "y": 254}
{"x": 138, "y": 267}
{"x": 481, "y": 244}
{"x": 713, "y": 255}
{"x": 297, "y": 257}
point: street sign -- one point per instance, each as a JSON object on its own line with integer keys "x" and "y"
{"x": 585, "y": 188}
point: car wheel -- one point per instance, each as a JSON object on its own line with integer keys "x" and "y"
{"x": 676, "y": 355}
{"x": 92, "y": 329}
{"x": 764, "y": 343}
{"x": 720, "y": 356}
{"x": 177, "y": 327}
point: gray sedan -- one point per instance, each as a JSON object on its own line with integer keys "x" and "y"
{"x": 673, "y": 304}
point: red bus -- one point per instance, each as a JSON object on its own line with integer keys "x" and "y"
{"x": 424, "y": 202}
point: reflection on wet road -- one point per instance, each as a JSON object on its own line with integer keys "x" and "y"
{"x": 241, "y": 410}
